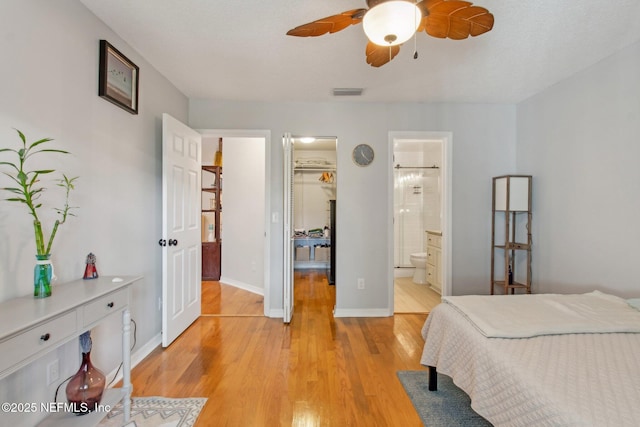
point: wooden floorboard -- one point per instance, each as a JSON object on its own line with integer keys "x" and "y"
{"x": 409, "y": 297}
{"x": 317, "y": 371}
{"x": 219, "y": 299}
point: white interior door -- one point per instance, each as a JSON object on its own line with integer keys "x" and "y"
{"x": 287, "y": 240}
{"x": 181, "y": 252}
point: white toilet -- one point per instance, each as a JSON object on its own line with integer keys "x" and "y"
{"x": 419, "y": 261}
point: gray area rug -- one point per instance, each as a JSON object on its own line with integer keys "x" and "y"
{"x": 157, "y": 412}
{"x": 447, "y": 407}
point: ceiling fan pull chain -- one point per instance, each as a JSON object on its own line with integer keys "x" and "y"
{"x": 415, "y": 41}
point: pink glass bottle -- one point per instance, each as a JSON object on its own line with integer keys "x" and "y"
{"x": 85, "y": 389}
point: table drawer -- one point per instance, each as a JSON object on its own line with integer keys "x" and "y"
{"x": 104, "y": 306}
{"x": 37, "y": 339}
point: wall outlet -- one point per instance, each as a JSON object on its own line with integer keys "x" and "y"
{"x": 53, "y": 372}
{"x": 361, "y": 283}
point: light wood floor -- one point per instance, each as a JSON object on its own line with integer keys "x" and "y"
{"x": 219, "y": 299}
{"x": 317, "y": 371}
{"x": 409, "y": 297}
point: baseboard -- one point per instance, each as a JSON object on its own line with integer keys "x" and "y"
{"x": 362, "y": 312}
{"x": 276, "y": 313}
{"x": 137, "y": 357}
{"x": 241, "y": 285}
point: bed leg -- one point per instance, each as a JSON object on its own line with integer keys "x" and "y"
{"x": 433, "y": 378}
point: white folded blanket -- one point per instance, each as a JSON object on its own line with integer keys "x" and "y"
{"x": 525, "y": 316}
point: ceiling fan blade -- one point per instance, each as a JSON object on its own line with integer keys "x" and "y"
{"x": 378, "y": 55}
{"x": 330, "y": 24}
{"x": 454, "y": 19}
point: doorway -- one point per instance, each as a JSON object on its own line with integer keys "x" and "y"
{"x": 244, "y": 222}
{"x": 419, "y": 204}
{"x": 313, "y": 194}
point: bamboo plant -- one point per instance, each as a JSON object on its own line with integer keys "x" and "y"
{"x": 28, "y": 188}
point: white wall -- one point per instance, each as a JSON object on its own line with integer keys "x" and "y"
{"x": 433, "y": 187}
{"x": 243, "y": 228}
{"x": 410, "y": 194}
{"x": 416, "y": 209}
{"x": 49, "y": 85}
{"x": 484, "y": 146}
{"x": 580, "y": 139}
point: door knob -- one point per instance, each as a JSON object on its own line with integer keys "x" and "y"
{"x": 173, "y": 242}
{"x": 162, "y": 242}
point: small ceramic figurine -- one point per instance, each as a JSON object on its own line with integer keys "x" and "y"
{"x": 90, "y": 271}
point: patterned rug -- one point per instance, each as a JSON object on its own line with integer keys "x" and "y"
{"x": 157, "y": 412}
{"x": 447, "y": 407}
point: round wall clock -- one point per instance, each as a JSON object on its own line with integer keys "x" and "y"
{"x": 363, "y": 155}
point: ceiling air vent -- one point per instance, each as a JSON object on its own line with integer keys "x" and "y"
{"x": 347, "y": 91}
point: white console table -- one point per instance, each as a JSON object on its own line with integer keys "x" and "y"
{"x": 31, "y": 327}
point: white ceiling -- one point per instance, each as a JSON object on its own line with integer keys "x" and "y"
{"x": 238, "y": 50}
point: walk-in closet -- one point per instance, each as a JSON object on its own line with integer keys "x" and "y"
{"x": 314, "y": 188}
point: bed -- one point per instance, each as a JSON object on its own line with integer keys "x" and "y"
{"x": 540, "y": 360}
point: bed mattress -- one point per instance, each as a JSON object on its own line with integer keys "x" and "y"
{"x": 552, "y": 380}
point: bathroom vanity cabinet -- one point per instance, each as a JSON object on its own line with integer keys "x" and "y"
{"x": 434, "y": 260}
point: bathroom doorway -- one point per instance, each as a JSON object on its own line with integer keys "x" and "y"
{"x": 418, "y": 222}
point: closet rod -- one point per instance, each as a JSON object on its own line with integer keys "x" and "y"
{"x": 332, "y": 168}
{"x": 416, "y": 167}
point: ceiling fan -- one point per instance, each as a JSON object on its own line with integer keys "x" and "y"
{"x": 389, "y": 23}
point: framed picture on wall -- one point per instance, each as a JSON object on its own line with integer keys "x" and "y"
{"x": 118, "y": 78}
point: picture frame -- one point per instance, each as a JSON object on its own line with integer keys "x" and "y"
{"x": 118, "y": 78}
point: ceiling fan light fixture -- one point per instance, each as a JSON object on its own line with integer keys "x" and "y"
{"x": 391, "y": 23}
